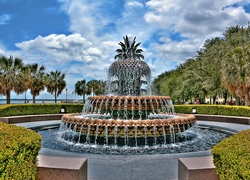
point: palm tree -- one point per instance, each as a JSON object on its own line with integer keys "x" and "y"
{"x": 96, "y": 86}
{"x": 236, "y": 75}
{"x": 55, "y": 83}
{"x": 129, "y": 50}
{"x": 236, "y": 62}
{"x": 101, "y": 88}
{"x": 12, "y": 76}
{"x": 80, "y": 89}
{"x": 36, "y": 79}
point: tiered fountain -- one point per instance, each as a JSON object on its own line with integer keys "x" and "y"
{"x": 128, "y": 115}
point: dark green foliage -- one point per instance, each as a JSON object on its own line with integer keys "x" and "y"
{"x": 232, "y": 157}
{"x": 19, "y": 149}
{"x": 32, "y": 109}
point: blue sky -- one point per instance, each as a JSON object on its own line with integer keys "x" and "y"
{"x": 79, "y": 37}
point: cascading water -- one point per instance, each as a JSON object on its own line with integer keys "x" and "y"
{"x": 128, "y": 115}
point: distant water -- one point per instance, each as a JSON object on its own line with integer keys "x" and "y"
{"x": 38, "y": 101}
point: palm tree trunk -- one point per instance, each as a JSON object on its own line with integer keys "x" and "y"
{"x": 55, "y": 97}
{"x": 8, "y": 97}
{"x": 83, "y": 98}
{"x": 34, "y": 99}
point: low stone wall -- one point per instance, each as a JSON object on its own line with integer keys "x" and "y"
{"x": 220, "y": 118}
{"x": 61, "y": 168}
{"x": 30, "y": 118}
{"x": 196, "y": 168}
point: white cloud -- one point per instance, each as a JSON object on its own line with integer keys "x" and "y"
{"x": 2, "y": 53}
{"x": 194, "y": 19}
{"x": 135, "y": 4}
{"x": 4, "y": 18}
{"x": 58, "y": 48}
{"x": 54, "y": 41}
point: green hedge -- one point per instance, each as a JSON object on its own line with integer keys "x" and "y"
{"x": 19, "y": 149}
{"x": 232, "y": 157}
{"x": 33, "y": 109}
{"x": 214, "y": 110}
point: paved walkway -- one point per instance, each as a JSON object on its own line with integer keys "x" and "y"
{"x": 134, "y": 167}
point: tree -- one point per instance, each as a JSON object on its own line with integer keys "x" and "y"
{"x": 12, "y": 76}
{"x": 55, "y": 83}
{"x": 236, "y": 62}
{"x": 36, "y": 81}
{"x": 236, "y": 74}
{"x": 96, "y": 86}
{"x": 211, "y": 56}
{"x": 81, "y": 89}
{"x": 129, "y": 50}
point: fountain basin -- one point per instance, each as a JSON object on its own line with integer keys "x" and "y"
{"x": 119, "y": 128}
{"x": 127, "y": 119}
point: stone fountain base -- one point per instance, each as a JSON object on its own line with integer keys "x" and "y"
{"x": 130, "y": 128}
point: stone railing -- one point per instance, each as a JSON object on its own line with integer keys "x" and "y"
{"x": 30, "y": 118}
{"x": 221, "y": 118}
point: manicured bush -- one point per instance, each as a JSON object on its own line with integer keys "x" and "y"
{"x": 19, "y": 149}
{"x": 232, "y": 157}
{"x": 33, "y": 109}
{"x": 214, "y": 110}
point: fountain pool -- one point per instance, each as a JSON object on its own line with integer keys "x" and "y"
{"x": 192, "y": 140}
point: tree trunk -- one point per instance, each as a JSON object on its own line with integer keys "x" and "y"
{"x": 83, "y": 98}
{"x": 214, "y": 99}
{"x": 225, "y": 97}
{"x": 8, "y": 97}
{"x": 237, "y": 100}
{"x": 55, "y": 97}
{"x": 34, "y": 99}
{"x": 247, "y": 100}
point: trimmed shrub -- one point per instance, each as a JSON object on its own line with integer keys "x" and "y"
{"x": 232, "y": 157}
{"x": 33, "y": 109}
{"x": 19, "y": 149}
{"x": 201, "y": 109}
{"x": 214, "y": 110}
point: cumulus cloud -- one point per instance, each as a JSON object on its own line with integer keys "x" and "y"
{"x": 58, "y": 47}
{"x": 197, "y": 18}
{"x": 73, "y": 54}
